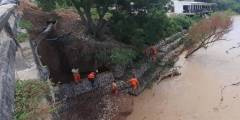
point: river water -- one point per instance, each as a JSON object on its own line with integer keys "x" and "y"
{"x": 196, "y": 94}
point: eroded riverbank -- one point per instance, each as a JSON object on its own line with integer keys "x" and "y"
{"x": 196, "y": 94}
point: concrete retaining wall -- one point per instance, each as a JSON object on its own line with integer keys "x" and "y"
{"x": 7, "y": 60}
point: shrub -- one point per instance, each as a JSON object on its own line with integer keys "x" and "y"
{"x": 25, "y": 24}
{"x": 142, "y": 30}
{"x": 27, "y": 97}
{"x": 122, "y": 56}
{"x": 184, "y": 22}
{"x": 48, "y": 5}
{"x": 21, "y": 37}
{"x": 196, "y": 18}
{"x": 103, "y": 56}
{"x": 172, "y": 28}
{"x": 232, "y": 5}
{"x": 208, "y": 31}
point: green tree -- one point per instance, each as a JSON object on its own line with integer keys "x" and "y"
{"x": 142, "y": 29}
{"x": 122, "y": 56}
{"x": 48, "y": 5}
{"x": 85, "y": 8}
{"x": 94, "y": 12}
{"x": 233, "y": 5}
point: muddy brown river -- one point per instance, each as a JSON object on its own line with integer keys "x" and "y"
{"x": 196, "y": 94}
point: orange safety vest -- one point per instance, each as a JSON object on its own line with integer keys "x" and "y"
{"x": 134, "y": 83}
{"x": 91, "y": 76}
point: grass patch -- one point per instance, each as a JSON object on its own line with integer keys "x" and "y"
{"x": 25, "y": 24}
{"x": 22, "y": 37}
{"x": 28, "y": 97}
{"x": 123, "y": 56}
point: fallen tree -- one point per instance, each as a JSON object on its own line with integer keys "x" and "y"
{"x": 208, "y": 31}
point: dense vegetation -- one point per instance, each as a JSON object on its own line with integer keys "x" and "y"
{"x": 145, "y": 21}
{"x": 233, "y": 5}
{"x": 23, "y": 35}
{"x": 138, "y": 23}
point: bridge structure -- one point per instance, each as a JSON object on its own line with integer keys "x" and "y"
{"x": 191, "y": 7}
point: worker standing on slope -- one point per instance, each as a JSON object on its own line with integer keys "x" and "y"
{"x": 134, "y": 82}
{"x": 114, "y": 88}
{"x": 91, "y": 77}
{"x": 76, "y": 75}
{"x": 153, "y": 53}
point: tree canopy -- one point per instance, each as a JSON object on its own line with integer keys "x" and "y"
{"x": 233, "y": 5}
{"x": 139, "y": 23}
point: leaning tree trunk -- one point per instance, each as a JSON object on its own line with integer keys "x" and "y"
{"x": 193, "y": 51}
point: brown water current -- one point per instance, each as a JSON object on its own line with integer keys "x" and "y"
{"x": 196, "y": 94}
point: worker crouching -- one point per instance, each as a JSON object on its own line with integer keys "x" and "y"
{"x": 76, "y": 76}
{"x": 91, "y": 78}
{"x": 114, "y": 88}
{"x": 153, "y": 52}
{"x": 134, "y": 83}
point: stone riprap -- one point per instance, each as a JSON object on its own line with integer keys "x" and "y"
{"x": 70, "y": 90}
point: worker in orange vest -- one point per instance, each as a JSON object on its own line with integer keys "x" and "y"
{"x": 76, "y": 75}
{"x": 153, "y": 53}
{"x": 134, "y": 82}
{"x": 114, "y": 88}
{"x": 91, "y": 77}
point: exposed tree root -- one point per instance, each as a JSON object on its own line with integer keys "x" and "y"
{"x": 171, "y": 73}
